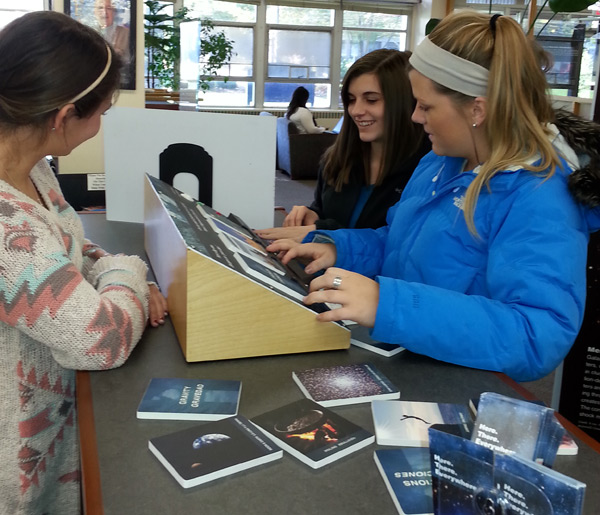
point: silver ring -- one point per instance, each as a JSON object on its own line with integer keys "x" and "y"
{"x": 337, "y": 282}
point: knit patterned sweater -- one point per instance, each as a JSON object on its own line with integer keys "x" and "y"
{"x": 59, "y": 311}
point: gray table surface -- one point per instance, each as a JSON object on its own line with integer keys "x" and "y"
{"x": 134, "y": 482}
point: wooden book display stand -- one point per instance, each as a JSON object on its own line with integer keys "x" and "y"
{"x": 222, "y": 308}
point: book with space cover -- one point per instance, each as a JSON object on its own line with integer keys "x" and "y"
{"x": 190, "y": 399}
{"x": 405, "y": 423}
{"x": 359, "y": 337}
{"x": 567, "y": 446}
{"x": 513, "y": 426}
{"x": 313, "y": 434}
{"x": 213, "y": 450}
{"x": 470, "y": 478}
{"x": 345, "y": 384}
{"x": 407, "y": 476}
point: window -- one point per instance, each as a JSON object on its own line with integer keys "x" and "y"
{"x": 11, "y": 9}
{"x": 280, "y": 47}
{"x": 364, "y": 32}
{"x": 570, "y": 38}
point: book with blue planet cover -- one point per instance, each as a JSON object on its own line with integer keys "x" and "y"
{"x": 214, "y": 450}
{"x": 190, "y": 399}
{"x": 407, "y": 476}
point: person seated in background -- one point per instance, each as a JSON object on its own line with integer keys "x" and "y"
{"x": 374, "y": 155}
{"x": 299, "y": 114}
{"x": 65, "y": 303}
{"x": 483, "y": 260}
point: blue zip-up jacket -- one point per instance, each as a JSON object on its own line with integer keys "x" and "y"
{"x": 511, "y": 300}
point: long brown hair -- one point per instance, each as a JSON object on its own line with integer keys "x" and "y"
{"x": 47, "y": 59}
{"x": 517, "y": 104}
{"x": 402, "y": 137}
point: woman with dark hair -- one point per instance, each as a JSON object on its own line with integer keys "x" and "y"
{"x": 299, "y": 114}
{"x": 65, "y": 304}
{"x": 483, "y": 260}
{"x": 374, "y": 155}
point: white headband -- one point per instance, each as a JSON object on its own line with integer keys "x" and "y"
{"x": 449, "y": 70}
{"x": 97, "y": 81}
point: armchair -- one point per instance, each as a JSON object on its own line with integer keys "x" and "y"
{"x": 298, "y": 155}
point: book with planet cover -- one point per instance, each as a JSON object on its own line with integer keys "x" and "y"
{"x": 345, "y": 384}
{"x": 406, "y": 423}
{"x": 190, "y": 399}
{"x": 313, "y": 434}
{"x": 213, "y": 450}
{"x": 407, "y": 476}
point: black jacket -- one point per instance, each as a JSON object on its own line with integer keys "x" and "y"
{"x": 583, "y": 136}
{"x": 335, "y": 208}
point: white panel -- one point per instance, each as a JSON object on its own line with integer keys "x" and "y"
{"x": 242, "y": 148}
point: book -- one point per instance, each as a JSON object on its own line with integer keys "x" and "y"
{"x": 216, "y": 449}
{"x": 567, "y": 446}
{"x": 359, "y": 337}
{"x": 190, "y": 399}
{"x": 405, "y": 423}
{"x": 513, "y": 426}
{"x": 470, "y": 478}
{"x": 345, "y": 384}
{"x": 313, "y": 434}
{"x": 407, "y": 476}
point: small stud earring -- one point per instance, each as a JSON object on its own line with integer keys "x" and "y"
{"x": 474, "y": 125}
{"x": 53, "y": 129}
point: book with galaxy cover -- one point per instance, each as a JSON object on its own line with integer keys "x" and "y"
{"x": 190, "y": 399}
{"x": 405, "y": 423}
{"x": 313, "y": 434}
{"x": 567, "y": 446}
{"x": 514, "y": 426}
{"x": 470, "y": 478}
{"x": 345, "y": 384}
{"x": 213, "y": 450}
{"x": 407, "y": 476}
{"x": 359, "y": 337}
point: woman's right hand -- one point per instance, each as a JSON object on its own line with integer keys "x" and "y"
{"x": 300, "y": 215}
{"x": 279, "y": 233}
{"x": 319, "y": 255}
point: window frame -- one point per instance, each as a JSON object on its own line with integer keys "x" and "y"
{"x": 260, "y": 63}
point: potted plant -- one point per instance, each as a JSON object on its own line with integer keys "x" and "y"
{"x": 163, "y": 46}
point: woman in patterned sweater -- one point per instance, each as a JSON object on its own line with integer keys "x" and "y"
{"x": 65, "y": 304}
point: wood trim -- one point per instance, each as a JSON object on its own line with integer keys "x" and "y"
{"x": 568, "y": 425}
{"x": 90, "y": 466}
{"x": 449, "y": 6}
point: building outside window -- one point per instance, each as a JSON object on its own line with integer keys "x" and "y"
{"x": 571, "y": 39}
{"x": 280, "y": 47}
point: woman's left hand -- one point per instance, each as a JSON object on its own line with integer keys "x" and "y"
{"x": 357, "y": 295}
{"x": 158, "y": 307}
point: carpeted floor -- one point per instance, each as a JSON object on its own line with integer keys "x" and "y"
{"x": 290, "y": 193}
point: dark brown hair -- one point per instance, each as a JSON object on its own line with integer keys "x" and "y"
{"x": 46, "y": 60}
{"x": 402, "y": 137}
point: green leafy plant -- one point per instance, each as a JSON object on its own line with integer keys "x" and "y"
{"x": 163, "y": 46}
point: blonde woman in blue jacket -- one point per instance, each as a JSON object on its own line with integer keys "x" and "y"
{"x": 482, "y": 262}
